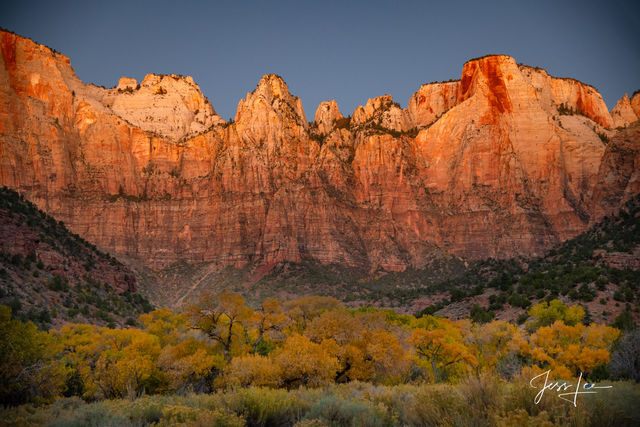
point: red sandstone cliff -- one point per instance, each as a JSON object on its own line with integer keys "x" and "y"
{"x": 506, "y": 161}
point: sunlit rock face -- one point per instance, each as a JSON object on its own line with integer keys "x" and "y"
{"x": 635, "y": 103}
{"x": 507, "y": 160}
{"x": 383, "y": 113}
{"x": 170, "y": 106}
{"x": 623, "y": 113}
{"x": 431, "y": 101}
{"x": 327, "y": 117}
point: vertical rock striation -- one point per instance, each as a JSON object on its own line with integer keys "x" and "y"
{"x": 508, "y": 160}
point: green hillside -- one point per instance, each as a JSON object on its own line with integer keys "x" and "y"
{"x": 49, "y": 275}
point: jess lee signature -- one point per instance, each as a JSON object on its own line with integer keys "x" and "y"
{"x": 563, "y": 386}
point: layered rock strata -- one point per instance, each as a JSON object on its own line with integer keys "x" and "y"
{"x": 505, "y": 161}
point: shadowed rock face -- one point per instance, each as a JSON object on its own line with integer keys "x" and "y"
{"x": 505, "y": 161}
{"x": 48, "y": 240}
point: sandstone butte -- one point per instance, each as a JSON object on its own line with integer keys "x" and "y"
{"x": 507, "y": 160}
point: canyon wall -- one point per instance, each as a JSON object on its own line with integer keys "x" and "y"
{"x": 505, "y": 161}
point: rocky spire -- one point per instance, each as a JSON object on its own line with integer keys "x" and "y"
{"x": 382, "y": 111}
{"x": 270, "y": 112}
{"x": 326, "y": 116}
{"x": 623, "y": 114}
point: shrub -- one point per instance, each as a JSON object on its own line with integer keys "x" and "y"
{"x": 261, "y": 406}
{"x": 58, "y": 283}
{"x": 603, "y": 137}
{"x": 477, "y": 401}
{"x": 335, "y": 411}
{"x": 522, "y": 318}
{"x": 519, "y": 300}
{"x": 480, "y": 315}
{"x": 457, "y": 295}
{"x": 624, "y": 321}
{"x": 310, "y": 423}
{"x": 625, "y": 360}
{"x": 217, "y": 418}
{"x": 16, "y": 259}
{"x": 436, "y": 405}
{"x": 509, "y": 366}
{"x": 15, "y": 305}
{"x": 145, "y": 410}
{"x": 89, "y": 415}
{"x": 566, "y": 110}
{"x": 482, "y": 396}
{"x": 343, "y": 123}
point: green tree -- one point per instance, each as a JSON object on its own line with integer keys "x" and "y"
{"x": 546, "y": 313}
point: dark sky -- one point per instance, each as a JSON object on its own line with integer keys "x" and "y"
{"x": 343, "y": 50}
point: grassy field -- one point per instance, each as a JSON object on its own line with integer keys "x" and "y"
{"x": 476, "y": 401}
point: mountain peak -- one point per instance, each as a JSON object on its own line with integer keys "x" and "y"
{"x": 326, "y": 116}
{"x": 170, "y": 105}
{"x": 271, "y": 94}
{"x": 488, "y": 72}
{"x": 126, "y": 83}
{"x": 272, "y": 86}
{"x": 505, "y": 162}
{"x": 623, "y": 113}
{"x": 431, "y": 101}
{"x": 492, "y": 57}
{"x": 382, "y": 111}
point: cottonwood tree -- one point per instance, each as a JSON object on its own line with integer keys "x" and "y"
{"x": 495, "y": 342}
{"x": 188, "y": 360}
{"x": 304, "y": 362}
{"x": 268, "y": 321}
{"x": 112, "y": 363}
{"x": 568, "y": 350}
{"x": 303, "y": 310}
{"x": 441, "y": 345}
{"x": 128, "y": 363}
{"x": 29, "y": 367}
{"x": 252, "y": 369}
{"x": 365, "y": 350}
{"x": 223, "y": 318}
{"x": 546, "y": 313}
